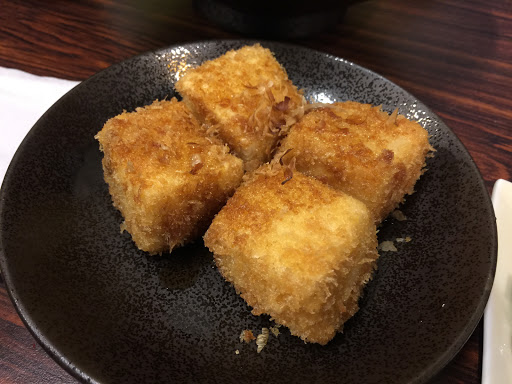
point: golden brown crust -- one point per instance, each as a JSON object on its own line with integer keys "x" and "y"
{"x": 292, "y": 246}
{"x": 360, "y": 150}
{"x": 165, "y": 176}
{"x": 299, "y": 251}
{"x": 246, "y": 98}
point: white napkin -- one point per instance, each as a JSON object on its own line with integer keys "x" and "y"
{"x": 23, "y": 99}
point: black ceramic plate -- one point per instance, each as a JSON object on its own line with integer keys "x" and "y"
{"x": 110, "y": 313}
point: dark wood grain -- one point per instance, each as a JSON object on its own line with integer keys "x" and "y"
{"x": 454, "y": 55}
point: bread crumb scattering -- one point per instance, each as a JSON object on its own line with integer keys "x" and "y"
{"x": 247, "y": 336}
{"x": 237, "y": 352}
{"x": 275, "y": 331}
{"x": 398, "y": 215}
{"x": 387, "y": 246}
{"x": 403, "y": 239}
{"x": 262, "y": 339}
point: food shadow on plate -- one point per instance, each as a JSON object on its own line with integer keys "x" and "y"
{"x": 181, "y": 269}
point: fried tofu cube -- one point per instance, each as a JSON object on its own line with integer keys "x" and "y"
{"x": 360, "y": 150}
{"x": 295, "y": 249}
{"x": 165, "y": 176}
{"x": 246, "y": 98}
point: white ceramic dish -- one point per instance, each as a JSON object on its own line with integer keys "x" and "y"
{"x": 497, "y": 358}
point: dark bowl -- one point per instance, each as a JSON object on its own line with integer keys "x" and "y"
{"x": 285, "y": 19}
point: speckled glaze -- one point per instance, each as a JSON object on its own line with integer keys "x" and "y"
{"x": 109, "y": 313}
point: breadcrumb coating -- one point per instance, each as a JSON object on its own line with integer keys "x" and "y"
{"x": 166, "y": 177}
{"x": 360, "y": 150}
{"x": 299, "y": 251}
{"x": 297, "y": 239}
{"x": 246, "y": 98}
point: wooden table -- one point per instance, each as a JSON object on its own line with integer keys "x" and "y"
{"x": 454, "y": 55}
